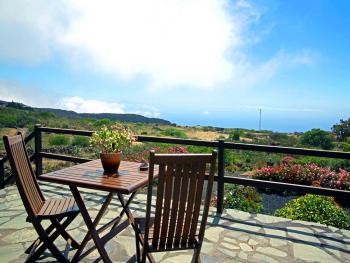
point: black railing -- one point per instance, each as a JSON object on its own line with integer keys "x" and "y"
{"x": 221, "y": 146}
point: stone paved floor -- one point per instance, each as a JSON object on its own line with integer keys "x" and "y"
{"x": 232, "y": 237}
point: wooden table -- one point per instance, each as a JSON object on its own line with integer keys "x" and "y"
{"x": 91, "y": 175}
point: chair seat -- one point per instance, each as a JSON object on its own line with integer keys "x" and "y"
{"x": 58, "y": 207}
{"x": 141, "y": 225}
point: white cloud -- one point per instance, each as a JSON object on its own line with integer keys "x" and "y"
{"x": 29, "y": 29}
{"x": 80, "y": 105}
{"x": 146, "y": 110}
{"x": 31, "y": 96}
{"x": 173, "y": 43}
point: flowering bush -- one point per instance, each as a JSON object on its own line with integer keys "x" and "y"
{"x": 112, "y": 139}
{"x": 309, "y": 174}
{"x": 141, "y": 155}
{"x": 287, "y": 160}
{"x": 177, "y": 149}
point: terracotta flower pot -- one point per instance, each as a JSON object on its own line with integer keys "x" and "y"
{"x": 111, "y": 161}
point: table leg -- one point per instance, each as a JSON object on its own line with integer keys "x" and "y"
{"x": 126, "y": 209}
{"x": 90, "y": 225}
{"x": 96, "y": 221}
{"x": 123, "y": 204}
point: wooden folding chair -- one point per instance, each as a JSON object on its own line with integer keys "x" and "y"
{"x": 37, "y": 207}
{"x": 181, "y": 190}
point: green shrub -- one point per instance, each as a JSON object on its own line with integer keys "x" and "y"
{"x": 243, "y": 198}
{"x": 174, "y": 133}
{"x": 345, "y": 147}
{"x": 103, "y": 122}
{"x": 317, "y": 138}
{"x": 315, "y": 208}
{"x": 81, "y": 141}
{"x": 58, "y": 140}
{"x": 235, "y": 135}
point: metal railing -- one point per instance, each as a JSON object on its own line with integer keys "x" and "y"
{"x": 220, "y": 145}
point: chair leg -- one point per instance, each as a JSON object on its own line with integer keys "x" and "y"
{"x": 48, "y": 231}
{"x": 150, "y": 257}
{"x": 47, "y": 243}
{"x": 196, "y": 256}
{"x": 138, "y": 256}
{"x": 63, "y": 232}
{"x": 60, "y": 230}
{"x": 143, "y": 259}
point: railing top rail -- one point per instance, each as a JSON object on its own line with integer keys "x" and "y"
{"x": 226, "y": 145}
{"x": 142, "y": 138}
{"x": 29, "y": 137}
{"x": 65, "y": 131}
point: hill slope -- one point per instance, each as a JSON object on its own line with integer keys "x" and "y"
{"x": 127, "y": 117}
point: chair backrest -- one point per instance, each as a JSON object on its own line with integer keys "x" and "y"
{"x": 181, "y": 190}
{"x": 28, "y": 187}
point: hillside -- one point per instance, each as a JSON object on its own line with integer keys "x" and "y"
{"x": 127, "y": 117}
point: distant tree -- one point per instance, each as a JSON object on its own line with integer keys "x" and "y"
{"x": 342, "y": 129}
{"x": 317, "y": 138}
{"x": 235, "y": 135}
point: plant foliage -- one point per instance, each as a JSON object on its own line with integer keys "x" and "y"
{"x": 113, "y": 139}
{"x": 59, "y": 140}
{"x": 317, "y": 138}
{"x": 243, "y": 198}
{"x": 81, "y": 141}
{"x": 314, "y": 208}
{"x": 174, "y": 133}
{"x": 342, "y": 129}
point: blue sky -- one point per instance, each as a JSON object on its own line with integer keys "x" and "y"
{"x": 192, "y": 62}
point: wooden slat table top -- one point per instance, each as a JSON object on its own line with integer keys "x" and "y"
{"x": 91, "y": 175}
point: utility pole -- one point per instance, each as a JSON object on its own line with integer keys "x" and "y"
{"x": 259, "y": 119}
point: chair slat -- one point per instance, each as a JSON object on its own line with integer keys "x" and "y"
{"x": 71, "y": 205}
{"x": 175, "y": 204}
{"x": 25, "y": 180}
{"x": 167, "y": 199}
{"x": 159, "y": 205}
{"x": 190, "y": 202}
{"x": 66, "y": 205}
{"x": 37, "y": 201}
{"x": 26, "y": 177}
{"x": 182, "y": 205}
{"x": 197, "y": 203}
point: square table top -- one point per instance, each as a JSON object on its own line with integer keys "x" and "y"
{"x": 91, "y": 175}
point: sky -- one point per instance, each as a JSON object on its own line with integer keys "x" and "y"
{"x": 193, "y": 62}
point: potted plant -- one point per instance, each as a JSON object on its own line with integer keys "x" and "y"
{"x": 111, "y": 141}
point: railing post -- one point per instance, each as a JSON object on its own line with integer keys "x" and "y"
{"x": 220, "y": 182}
{"x": 38, "y": 148}
{"x": 2, "y": 173}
